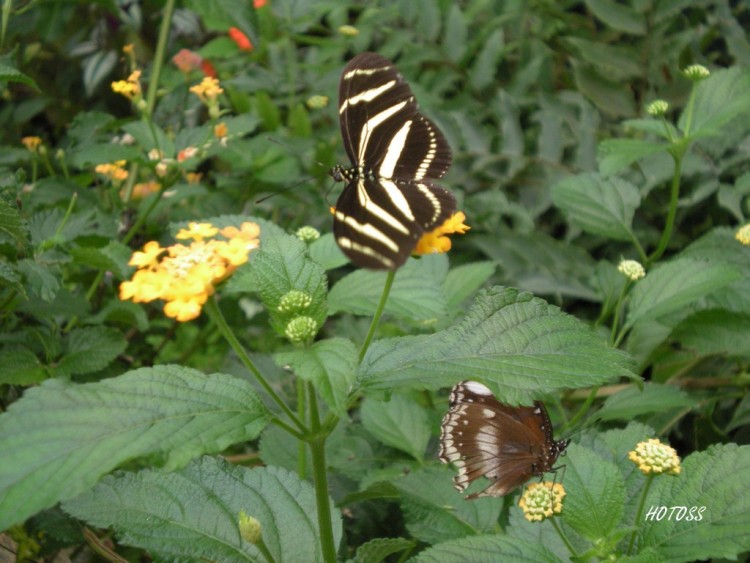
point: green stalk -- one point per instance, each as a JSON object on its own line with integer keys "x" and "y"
{"x": 674, "y": 196}
{"x": 639, "y": 512}
{"x": 616, "y": 319}
{"x": 320, "y": 479}
{"x": 564, "y": 538}
{"x": 212, "y": 308}
{"x": 161, "y": 48}
{"x": 301, "y": 413}
{"x": 378, "y": 312}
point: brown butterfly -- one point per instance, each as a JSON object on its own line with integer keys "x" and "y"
{"x": 483, "y": 437}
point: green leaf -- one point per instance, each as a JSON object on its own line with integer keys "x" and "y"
{"x": 39, "y": 279}
{"x": 516, "y": 344}
{"x": 327, "y": 253}
{"x": 462, "y": 281}
{"x": 455, "y": 38}
{"x": 97, "y": 68}
{"x": 486, "y": 549}
{"x": 600, "y": 206}
{"x": 615, "y": 155}
{"x": 614, "y": 98}
{"x": 330, "y": 365}
{"x": 90, "y": 349}
{"x": 434, "y": 511}
{"x": 149, "y": 136}
{"x": 299, "y": 121}
{"x": 619, "y": 61}
{"x": 193, "y": 514}
{"x": 482, "y": 73}
{"x": 20, "y": 366}
{"x": 11, "y": 74}
{"x": 715, "y": 331}
{"x": 60, "y": 438}
{"x": 113, "y": 257}
{"x": 632, "y": 402}
{"x": 715, "y": 481}
{"x": 673, "y": 285}
{"x": 618, "y": 16}
{"x": 400, "y": 423}
{"x": 375, "y": 551}
{"x": 719, "y": 99}
{"x": 595, "y": 493}
{"x": 12, "y": 226}
{"x": 416, "y": 294}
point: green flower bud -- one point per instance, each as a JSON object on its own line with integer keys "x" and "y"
{"x": 317, "y": 102}
{"x": 349, "y": 30}
{"x": 657, "y": 108}
{"x": 301, "y": 329}
{"x": 307, "y": 234}
{"x": 250, "y": 528}
{"x": 631, "y": 270}
{"x": 294, "y": 301}
{"x": 696, "y": 73}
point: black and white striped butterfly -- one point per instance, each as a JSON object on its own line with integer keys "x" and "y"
{"x": 483, "y": 437}
{"x": 389, "y": 200}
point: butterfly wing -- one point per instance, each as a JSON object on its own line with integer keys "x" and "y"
{"x": 484, "y": 437}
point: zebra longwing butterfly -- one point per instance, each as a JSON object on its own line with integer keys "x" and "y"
{"x": 389, "y": 199}
{"x": 483, "y": 437}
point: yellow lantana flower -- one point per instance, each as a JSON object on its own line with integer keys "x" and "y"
{"x": 651, "y": 456}
{"x": 187, "y": 276}
{"x": 436, "y": 242}
{"x": 541, "y": 501}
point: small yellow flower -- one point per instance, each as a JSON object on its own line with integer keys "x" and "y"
{"x": 652, "y": 456}
{"x": 187, "y": 276}
{"x": 250, "y": 528}
{"x": 436, "y": 242}
{"x": 220, "y": 130}
{"x": 294, "y": 301}
{"x": 128, "y": 49}
{"x": 193, "y": 177}
{"x": 31, "y": 143}
{"x": 631, "y": 269}
{"x": 541, "y": 501}
{"x": 657, "y": 108}
{"x": 743, "y": 235}
{"x": 114, "y": 171}
{"x": 143, "y": 189}
{"x": 197, "y": 231}
{"x": 696, "y": 73}
{"x": 208, "y": 90}
{"x": 348, "y": 30}
{"x": 130, "y": 88}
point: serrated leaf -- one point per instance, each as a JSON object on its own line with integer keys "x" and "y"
{"x": 39, "y": 279}
{"x": 602, "y": 206}
{"x": 415, "y": 294}
{"x": 20, "y": 366}
{"x": 12, "y": 226}
{"x": 712, "y": 479}
{"x": 486, "y": 549}
{"x": 90, "y": 349}
{"x": 193, "y": 514}
{"x": 11, "y": 74}
{"x": 673, "y": 285}
{"x": 720, "y": 98}
{"x": 482, "y": 72}
{"x": 516, "y": 344}
{"x": 595, "y": 496}
{"x": 652, "y": 398}
{"x": 375, "y": 551}
{"x": 327, "y": 253}
{"x": 435, "y": 511}
{"x": 614, "y": 155}
{"x": 96, "y": 68}
{"x": 715, "y": 331}
{"x": 149, "y": 136}
{"x": 400, "y": 423}
{"x": 614, "y": 98}
{"x": 60, "y": 438}
{"x": 113, "y": 257}
{"x": 620, "y": 61}
{"x": 330, "y": 365}
{"x": 454, "y": 40}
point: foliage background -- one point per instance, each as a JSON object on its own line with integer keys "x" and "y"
{"x": 559, "y": 169}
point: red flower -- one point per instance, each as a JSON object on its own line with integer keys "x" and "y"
{"x": 187, "y": 60}
{"x": 208, "y": 69}
{"x": 241, "y": 39}
{"x": 259, "y": 3}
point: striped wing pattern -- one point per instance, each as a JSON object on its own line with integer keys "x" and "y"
{"x": 483, "y": 437}
{"x": 390, "y": 199}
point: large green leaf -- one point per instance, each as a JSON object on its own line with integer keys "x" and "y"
{"x": 713, "y": 488}
{"x": 518, "y": 345}
{"x": 652, "y": 398}
{"x": 193, "y": 514}
{"x": 618, "y": 15}
{"x": 721, "y": 98}
{"x": 715, "y": 331}
{"x": 89, "y": 349}
{"x": 60, "y": 438}
{"x": 486, "y": 549}
{"x": 672, "y": 286}
{"x": 614, "y": 155}
{"x": 600, "y": 206}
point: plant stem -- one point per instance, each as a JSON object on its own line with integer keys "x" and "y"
{"x": 674, "y": 197}
{"x": 378, "y": 312}
{"x": 564, "y": 538}
{"x": 301, "y": 413}
{"x": 161, "y": 47}
{"x": 320, "y": 479}
{"x": 216, "y": 316}
{"x": 584, "y": 407}
{"x": 639, "y": 512}
{"x": 616, "y": 319}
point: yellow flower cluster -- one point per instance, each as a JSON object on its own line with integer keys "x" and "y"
{"x": 208, "y": 90}
{"x": 130, "y": 88}
{"x": 652, "y": 456}
{"x": 631, "y": 269}
{"x": 187, "y": 275}
{"x": 542, "y": 500}
{"x": 743, "y": 235}
{"x": 114, "y": 171}
{"x": 31, "y": 143}
{"x": 436, "y": 242}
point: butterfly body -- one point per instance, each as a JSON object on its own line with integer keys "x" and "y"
{"x": 506, "y": 444}
{"x": 390, "y": 199}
